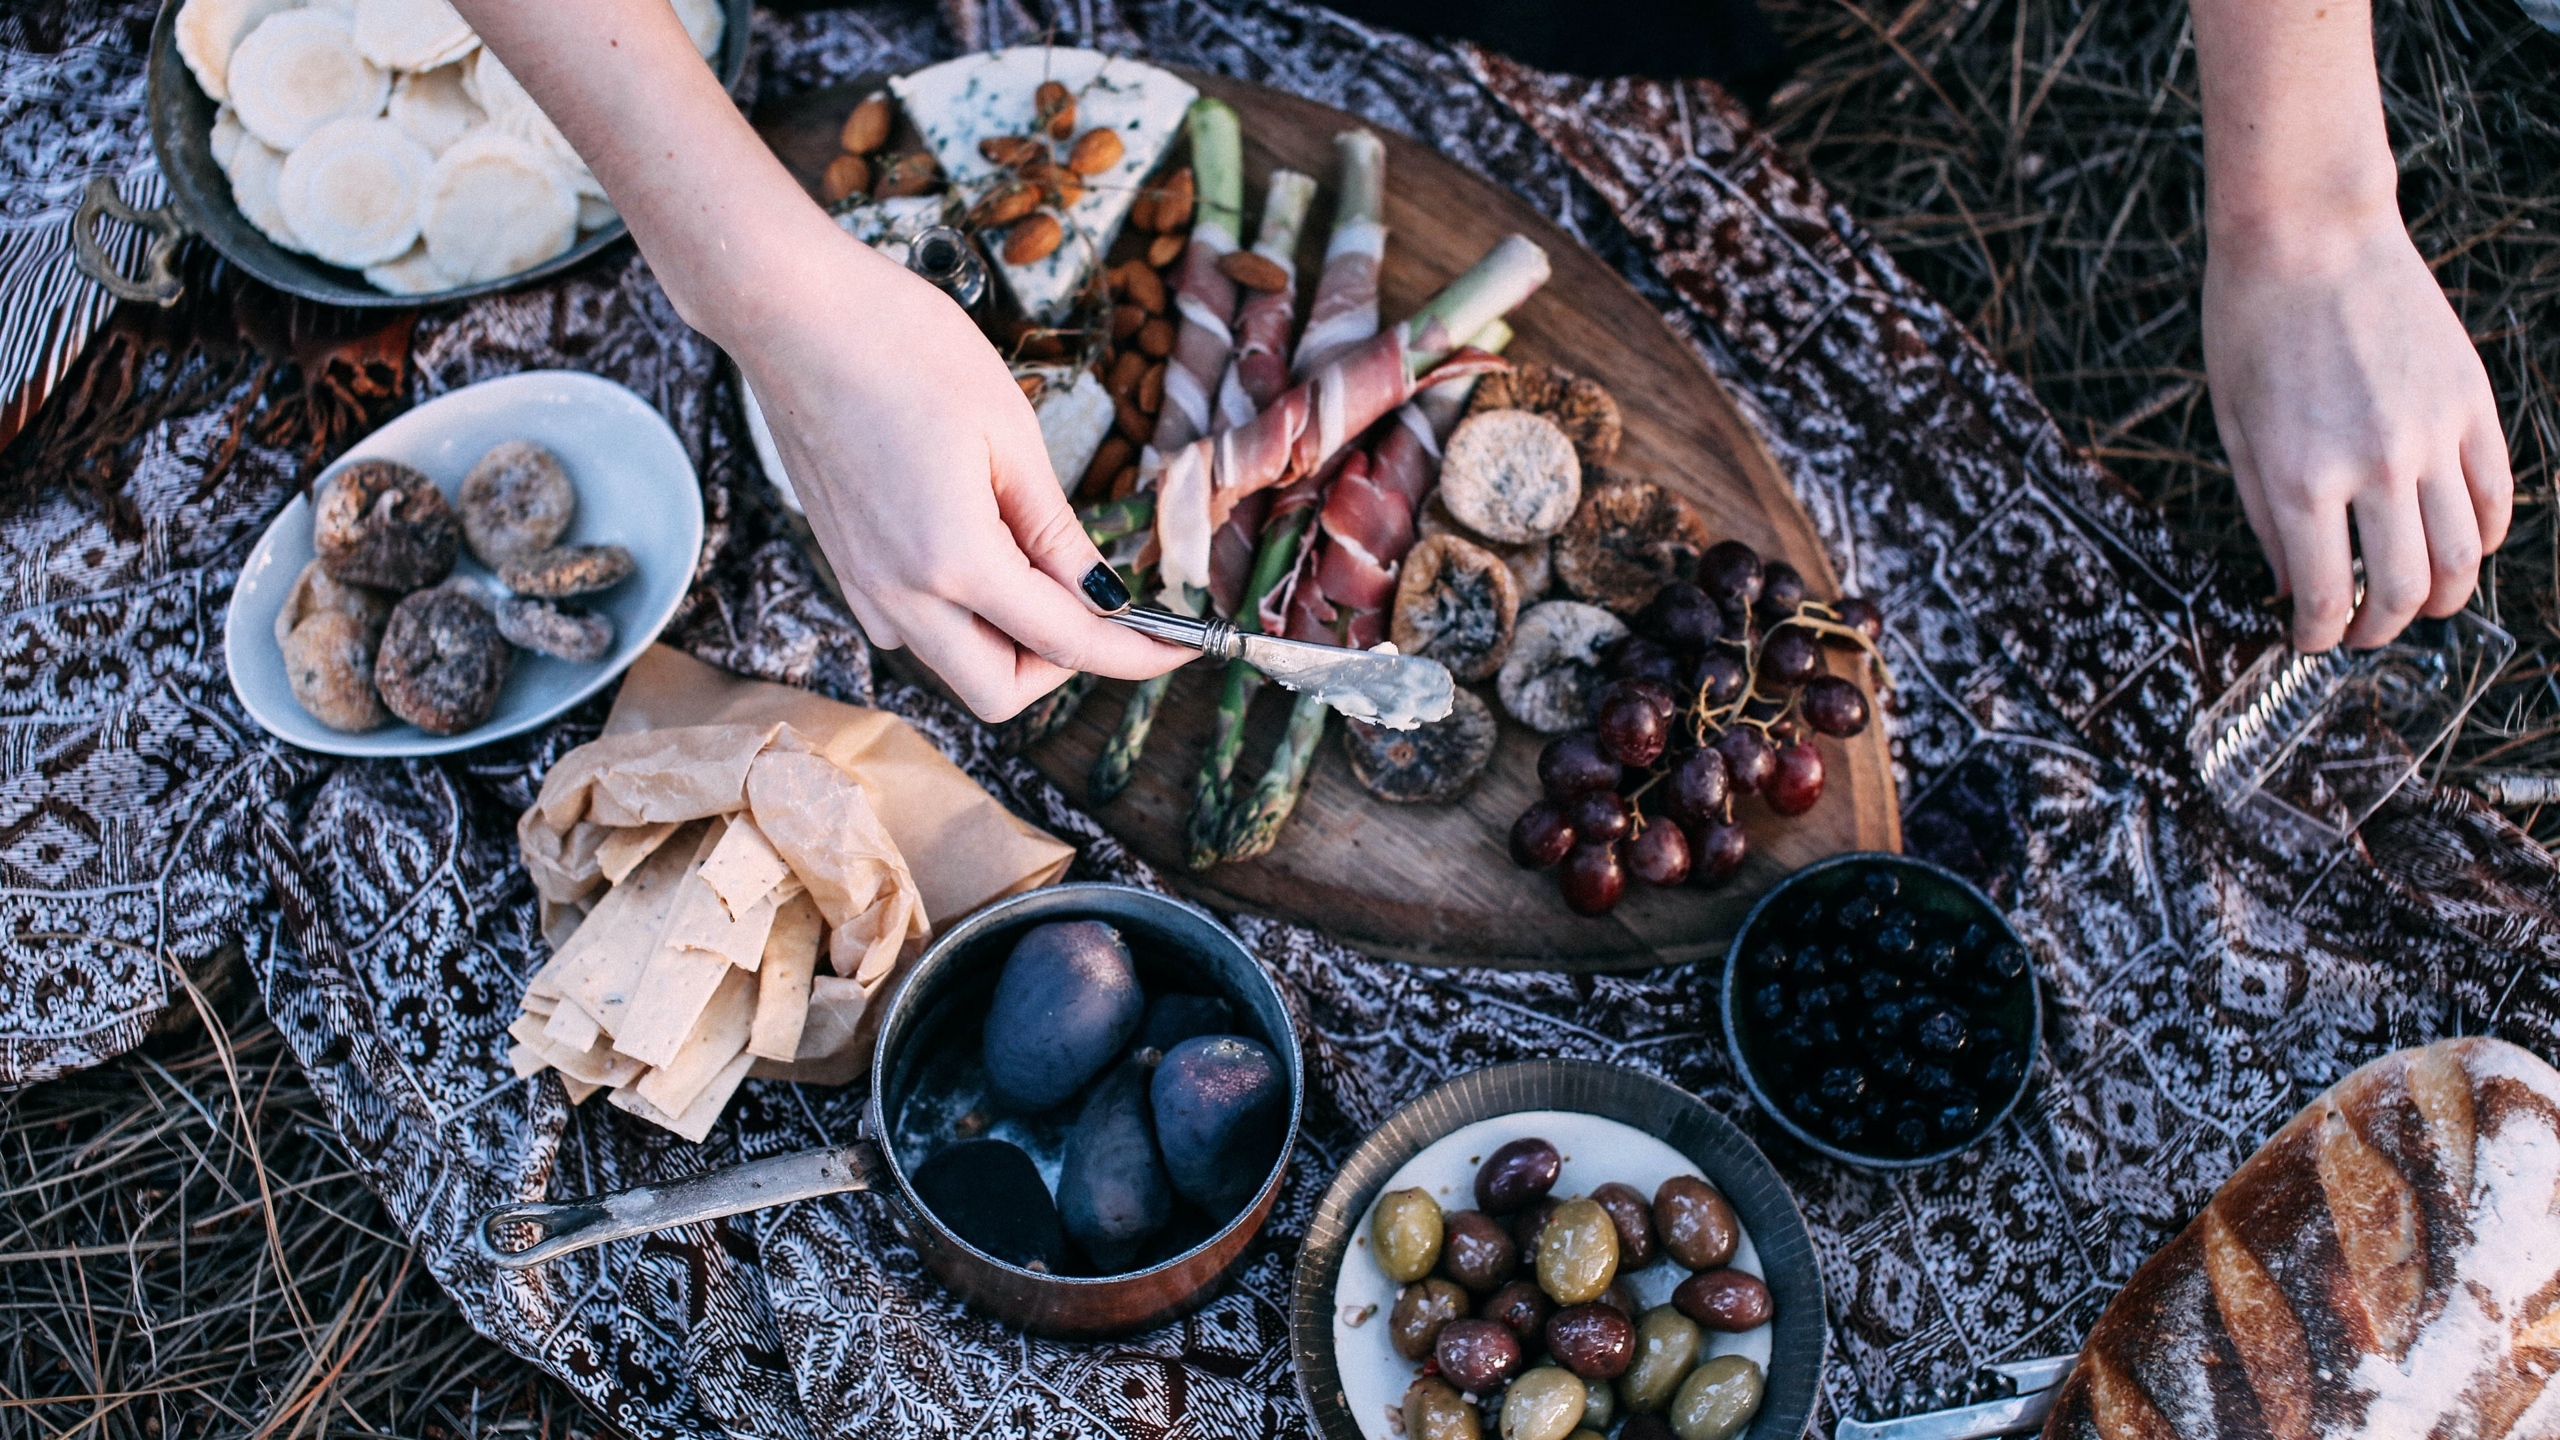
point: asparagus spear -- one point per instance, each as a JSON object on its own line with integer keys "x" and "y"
{"x": 1345, "y": 313}
{"x": 1200, "y": 355}
{"x": 1255, "y": 828}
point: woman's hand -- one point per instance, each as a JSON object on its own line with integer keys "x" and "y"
{"x": 925, "y": 478}
{"x": 2345, "y": 387}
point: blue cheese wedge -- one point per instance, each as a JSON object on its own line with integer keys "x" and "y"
{"x": 1075, "y": 413}
{"x": 960, "y": 102}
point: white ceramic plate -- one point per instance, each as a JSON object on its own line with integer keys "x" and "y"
{"x": 636, "y": 489}
{"x": 1595, "y": 1151}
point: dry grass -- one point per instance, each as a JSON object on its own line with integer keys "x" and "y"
{"x": 2038, "y": 164}
{"x": 187, "y": 1251}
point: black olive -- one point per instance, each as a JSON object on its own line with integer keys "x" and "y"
{"x": 2008, "y": 962}
{"x": 1882, "y": 884}
{"x": 1824, "y": 1034}
{"x": 1842, "y": 1087}
{"x": 1912, "y": 1133}
{"x": 1806, "y": 1107}
{"x": 1894, "y": 1063}
{"x": 1770, "y": 959}
{"x": 1874, "y": 985}
{"x": 1769, "y": 1002}
{"x": 1976, "y": 938}
{"x": 1933, "y": 1079}
{"x": 1958, "y": 1118}
{"x": 1941, "y": 961}
{"x": 1811, "y": 963}
{"x": 1855, "y": 914}
{"x": 1814, "y": 1001}
{"x": 1894, "y": 940}
{"x": 1849, "y": 1126}
{"x": 2003, "y": 1069}
{"x": 1876, "y": 1035}
{"x": 1889, "y": 1013}
{"x": 1940, "y": 1032}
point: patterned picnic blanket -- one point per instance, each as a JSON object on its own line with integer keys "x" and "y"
{"x": 2049, "y": 636}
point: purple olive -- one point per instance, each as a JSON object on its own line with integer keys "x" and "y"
{"x": 1517, "y": 1176}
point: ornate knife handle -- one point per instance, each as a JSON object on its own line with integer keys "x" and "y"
{"x": 1209, "y": 635}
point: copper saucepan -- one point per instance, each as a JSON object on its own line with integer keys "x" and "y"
{"x": 927, "y": 1039}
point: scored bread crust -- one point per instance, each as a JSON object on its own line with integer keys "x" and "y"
{"x": 2386, "y": 1265}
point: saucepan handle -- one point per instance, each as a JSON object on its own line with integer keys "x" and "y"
{"x": 564, "y": 1227}
{"x": 164, "y": 287}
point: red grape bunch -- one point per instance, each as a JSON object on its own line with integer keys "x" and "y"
{"x": 1716, "y": 694}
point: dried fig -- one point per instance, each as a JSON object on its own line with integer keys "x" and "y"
{"x": 442, "y": 661}
{"x": 1510, "y": 476}
{"x": 378, "y": 522}
{"x": 1456, "y": 603}
{"x": 314, "y": 593}
{"x": 564, "y": 631}
{"x": 1431, "y": 764}
{"x": 1628, "y": 539}
{"x": 1532, "y": 565}
{"x": 1554, "y": 664}
{"x": 328, "y": 661}
{"x": 516, "y": 501}
{"x": 1581, "y": 406}
{"x": 567, "y": 570}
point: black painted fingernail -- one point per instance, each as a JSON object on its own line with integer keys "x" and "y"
{"x": 1102, "y": 586}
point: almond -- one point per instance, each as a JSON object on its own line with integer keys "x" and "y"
{"x": 1253, "y": 272}
{"x": 1142, "y": 212}
{"x": 1035, "y": 236}
{"x": 1094, "y": 152}
{"x": 1042, "y": 345}
{"x": 1065, "y": 187}
{"x": 1125, "y": 484}
{"x": 1151, "y": 388}
{"x": 1173, "y": 201}
{"x": 867, "y": 128}
{"x": 1057, "y": 109}
{"x": 910, "y": 174}
{"x": 1012, "y": 149}
{"x": 1031, "y": 386}
{"x": 1155, "y": 338}
{"x": 1133, "y": 423}
{"x": 846, "y": 175}
{"x": 1165, "y": 249}
{"x": 1125, "y": 320}
{"x": 1127, "y": 369}
{"x": 1114, "y": 452}
{"x": 1008, "y": 202}
{"x": 1142, "y": 287}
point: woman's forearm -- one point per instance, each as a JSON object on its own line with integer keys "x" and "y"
{"x": 727, "y": 231}
{"x": 2296, "y": 156}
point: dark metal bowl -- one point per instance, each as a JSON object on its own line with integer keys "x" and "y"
{"x": 1657, "y": 1107}
{"x": 200, "y": 194}
{"x": 1928, "y": 887}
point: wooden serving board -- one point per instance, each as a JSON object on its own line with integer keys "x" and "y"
{"x": 1435, "y": 883}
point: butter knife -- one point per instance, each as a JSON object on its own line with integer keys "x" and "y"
{"x": 2039, "y": 1384}
{"x": 1379, "y": 686}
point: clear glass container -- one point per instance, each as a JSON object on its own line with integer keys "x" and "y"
{"x": 2302, "y": 749}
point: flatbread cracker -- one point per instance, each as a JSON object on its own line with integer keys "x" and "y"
{"x": 782, "y": 981}
{"x": 703, "y": 1113}
{"x": 717, "y": 1038}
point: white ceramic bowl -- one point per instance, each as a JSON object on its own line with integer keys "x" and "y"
{"x": 636, "y": 489}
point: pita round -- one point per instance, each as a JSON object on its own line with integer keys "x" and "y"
{"x": 414, "y": 273}
{"x": 704, "y": 20}
{"x": 207, "y": 31}
{"x": 412, "y": 34}
{"x": 255, "y": 168}
{"x": 351, "y": 191}
{"x": 430, "y": 107}
{"x": 496, "y": 204}
{"x": 297, "y": 72}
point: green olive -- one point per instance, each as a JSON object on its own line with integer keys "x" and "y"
{"x": 1578, "y": 1252}
{"x": 1667, "y": 1344}
{"x": 1434, "y": 1410}
{"x": 1717, "y": 1400}
{"x": 1600, "y": 1410}
{"x": 1543, "y": 1404}
{"x": 1406, "y": 1234}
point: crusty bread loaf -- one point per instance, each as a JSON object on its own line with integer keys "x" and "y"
{"x": 2387, "y": 1267}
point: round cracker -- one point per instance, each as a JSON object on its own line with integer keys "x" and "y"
{"x": 255, "y": 169}
{"x": 225, "y": 136}
{"x": 431, "y": 108}
{"x": 351, "y": 191}
{"x": 414, "y": 273}
{"x": 496, "y": 204}
{"x": 207, "y": 31}
{"x": 412, "y": 34}
{"x": 298, "y": 71}
{"x": 705, "y": 21}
